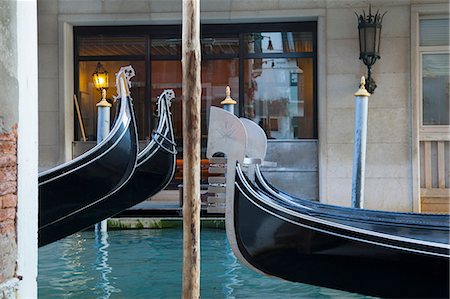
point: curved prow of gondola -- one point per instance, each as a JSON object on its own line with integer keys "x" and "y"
{"x": 154, "y": 170}
{"x": 227, "y": 135}
{"x": 256, "y": 144}
{"x": 69, "y": 188}
{"x": 163, "y": 137}
{"x": 377, "y": 256}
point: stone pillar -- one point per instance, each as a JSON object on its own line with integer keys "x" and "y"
{"x": 8, "y": 147}
{"x": 18, "y": 149}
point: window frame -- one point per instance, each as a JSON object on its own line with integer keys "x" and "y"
{"x": 207, "y": 30}
{"x": 420, "y": 132}
{"x": 421, "y": 51}
{"x": 429, "y": 50}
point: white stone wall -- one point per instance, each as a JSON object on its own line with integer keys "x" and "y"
{"x": 49, "y": 121}
{"x": 389, "y": 171}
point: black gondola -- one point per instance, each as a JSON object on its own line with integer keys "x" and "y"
{"x": 68, "y": 189}
{"x": 155, "y": 169}
{"x": 376, "y": 253}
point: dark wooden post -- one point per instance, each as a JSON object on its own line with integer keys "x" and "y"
{"x": 191, "y": 148}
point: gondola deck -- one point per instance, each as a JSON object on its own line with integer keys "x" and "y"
{"x": 293, "y": 244}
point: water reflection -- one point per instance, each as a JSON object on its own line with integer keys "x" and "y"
{"x": 147, "y": 264}
{"x": 69, "y": 263}
{"x": 103, "y": 284}
{"x": 232, "y": 280}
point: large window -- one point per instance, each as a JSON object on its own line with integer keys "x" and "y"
{"x": 270, "y": 68}
{"x": 432, "y": 101}
{"x": 434, "y": 42}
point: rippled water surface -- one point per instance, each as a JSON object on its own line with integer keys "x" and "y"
{"x": 148, "y": 263}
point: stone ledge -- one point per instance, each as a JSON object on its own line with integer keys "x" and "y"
{"x": 160, "y": 223}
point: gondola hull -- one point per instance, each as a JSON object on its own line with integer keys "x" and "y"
{"x": 300, "y": 247}
{"x": 68, "y": 189}
{"x": 386, "y": 254}
{"x": 154, "y": 171}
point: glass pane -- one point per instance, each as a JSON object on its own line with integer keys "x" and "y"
{"x": 89, "y": 96}
{"x": 279, "y": 96}
{"x": 166, "y": 74}
{"x": 212, "y": 46}
{"x": 278, "y": 42}
{"x": 100, "y": 45}
{"x": 369, "y": 39}
{"x": 434, "y": 32}
{"x": 435, "y": 86}
{"x": 216, "y": 75}
{"x": 165, "y": 47}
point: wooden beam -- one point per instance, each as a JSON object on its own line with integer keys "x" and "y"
{"x": 80, "y": 118}
{"x": 427, "y": 164}
{"x": 435, "y": 192}
{"x": 441, "y": 164}
{"x": 191, "y": 63}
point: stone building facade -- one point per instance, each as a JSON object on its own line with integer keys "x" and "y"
{"x": 393, "y": 150}
{"x": 407, "y": 158}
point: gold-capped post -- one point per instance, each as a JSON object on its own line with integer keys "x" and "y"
{"x": 228, "y": 103}
{"x": 362, "y": 91}
{"x": 228, "y": 100}
{"x": 103, "y": 102}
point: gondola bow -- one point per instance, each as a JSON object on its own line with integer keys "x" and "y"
{"x": 68, "y": 189}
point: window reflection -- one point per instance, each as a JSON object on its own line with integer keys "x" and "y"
{"x": 279, "y": 96}
{"x": 435, "y": 85}
{"x": 210, "y": 46}
{"x": 217, "y": 46}
{"x": 103, "y": 45}
{"x": 434, "y": 32}
{"x": 166, "y": 47}
{"x": 216, "y": 75}
{"x": 278, "y": 42}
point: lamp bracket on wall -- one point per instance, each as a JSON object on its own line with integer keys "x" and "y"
{"x": 369, "y": 29}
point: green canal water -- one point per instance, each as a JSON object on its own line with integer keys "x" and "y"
{"x": 147, "y": 263}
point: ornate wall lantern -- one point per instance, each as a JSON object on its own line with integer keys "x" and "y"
{"x": 100, "y": 77}
{"x": 369, "y": 27}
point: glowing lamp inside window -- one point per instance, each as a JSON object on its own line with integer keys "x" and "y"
{"x": 100, "y": 77}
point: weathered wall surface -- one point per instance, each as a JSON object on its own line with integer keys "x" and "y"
{"x": 8, "y": 67}
{"x": 389, "y": 179}
{"x": 8, "y": 204}
{"x": 8, "y": 143}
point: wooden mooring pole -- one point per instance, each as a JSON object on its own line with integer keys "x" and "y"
{"x": 191, "y": 148}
